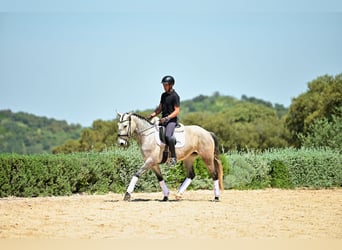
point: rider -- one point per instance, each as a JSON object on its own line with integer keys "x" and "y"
{"x": 169, "y": 106}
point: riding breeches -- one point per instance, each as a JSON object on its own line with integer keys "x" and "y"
{"x": 169, "y": 130}
{"x": 170, "y": 139}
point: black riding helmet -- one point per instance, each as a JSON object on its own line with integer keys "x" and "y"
{"x": 168, "y": 79}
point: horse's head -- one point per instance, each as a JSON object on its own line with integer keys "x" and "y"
{"x": 130, "y": 123}
{"x": 125, "y": 128}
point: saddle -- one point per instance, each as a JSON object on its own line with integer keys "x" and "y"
{"x": 162, "y": 131}
{"x": 179, "y": 135}
{"x": 160, "y": 139}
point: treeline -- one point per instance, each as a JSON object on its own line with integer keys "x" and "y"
{"x": 239, "y": 124}
{"x": 262, "y": 145}
{"x": 24, "y": 133}
{"x": 312, "y": 120}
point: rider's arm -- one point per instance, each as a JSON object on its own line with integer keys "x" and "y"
{"x": 157, "y": 110}
{"x": 174, "y": 113}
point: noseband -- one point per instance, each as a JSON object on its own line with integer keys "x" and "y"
{"x": 129, "y": 131}
{"x": 126, "y": 136}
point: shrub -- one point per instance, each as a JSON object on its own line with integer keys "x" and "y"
{"x": 285, "y": 168}
{"x": 324, "y": 133}
{"x": 309, "y": 167}
{"x": 279, "y": 175}
{"x": 111, "y": 171}
{"x": 246, "y": 170}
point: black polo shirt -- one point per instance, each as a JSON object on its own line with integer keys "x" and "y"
{"x": 169, "y": 100}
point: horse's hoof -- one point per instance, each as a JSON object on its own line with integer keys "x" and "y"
{"x": 216, "y": 199}
{"x": 165, "y": 198}
{"x": 127, "y": 197}
{"x": 178, "y": 196}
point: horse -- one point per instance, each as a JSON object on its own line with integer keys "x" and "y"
{"x": 198, "y": 142}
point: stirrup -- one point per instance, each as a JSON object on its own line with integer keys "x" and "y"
{"x": 172, "y": 162}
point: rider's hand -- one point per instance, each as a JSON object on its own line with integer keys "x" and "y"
{"x": 151, "y": 116}
{"x": 164, "y": 119}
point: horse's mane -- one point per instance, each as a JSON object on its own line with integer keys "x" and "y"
{"x": 142, "y": 118}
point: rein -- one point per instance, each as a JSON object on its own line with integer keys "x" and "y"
{"x": 143, "y": 130}
{"x": 129, "y": 131}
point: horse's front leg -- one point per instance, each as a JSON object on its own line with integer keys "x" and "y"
{"x": 135, "y": 179}
{"x": 156, "y": 170}
{"x": 190, "y": 175}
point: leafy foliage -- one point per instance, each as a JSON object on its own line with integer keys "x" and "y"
{"x": 214, "y": 103}
{"x": 29, "y": 134}
{"x": 280, "y": 177}
{"x": 99, "y": 137}
{"x": 285, "y": 168}
{"x": 111, "y": 171}
{"x": 324, "y": 133}
{"x": 313, "y": 119}
{"x": 244, "y": 126}
{"x": 247, "y": 170}
{"x": 238, "y": 125}
{"x": 308, "y": 167}
{"x": 322, "y": 99}
{"x": 251, "y": 123}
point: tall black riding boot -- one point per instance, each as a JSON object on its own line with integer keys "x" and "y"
{"x": 172, "y": 143}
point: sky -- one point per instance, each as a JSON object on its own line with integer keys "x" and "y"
{"x": 81, "y": 61}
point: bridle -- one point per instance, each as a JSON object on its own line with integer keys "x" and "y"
{"x": 126, "y": 136}
{"x": 129, "y": 127}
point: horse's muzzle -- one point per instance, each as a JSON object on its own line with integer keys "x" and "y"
{"x": 122, "y": 142}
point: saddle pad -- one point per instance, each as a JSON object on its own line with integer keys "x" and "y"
{"x": 179, "y": 134}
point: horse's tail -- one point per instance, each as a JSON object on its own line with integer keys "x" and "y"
{"x": 217, "y": 161}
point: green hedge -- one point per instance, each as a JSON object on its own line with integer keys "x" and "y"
{"x": 46, "y": 174}
{"x": 285, "y": 168}
{"x": 111, "y": 171}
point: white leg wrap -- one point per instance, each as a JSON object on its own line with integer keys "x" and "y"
{"x": 184, "y": 186}
{"x": 216, "y": 188}
{"x": 164, "y": 188}
{"x": 132, "y": 184}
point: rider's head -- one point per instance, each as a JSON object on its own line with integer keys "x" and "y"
{"x": 168, "y": 82}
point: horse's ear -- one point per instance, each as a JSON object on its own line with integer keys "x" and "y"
{"x": 119, "y": 114}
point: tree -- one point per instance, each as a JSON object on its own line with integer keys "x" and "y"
{"x": 255, "y": 126}
{"x": 323, "y": 96}
{"x": 68, "y": 147}
{"x": 243, "y": 126}
{"x": 24, "y": 133}
{"x": 102, "y": 135}
{"x": 324, "y": 133}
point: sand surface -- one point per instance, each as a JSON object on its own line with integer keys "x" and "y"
{"x": 252, "y": 214}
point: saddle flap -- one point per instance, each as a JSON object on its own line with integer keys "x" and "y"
{"x": 162, "y": 134}
{"x": 179, "y": 134}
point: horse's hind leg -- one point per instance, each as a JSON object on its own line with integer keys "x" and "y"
{"x": 209, "y": 162}
{"x": 190, "y": 175}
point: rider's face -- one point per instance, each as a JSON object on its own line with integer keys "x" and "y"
{"x": 167, "y": 87}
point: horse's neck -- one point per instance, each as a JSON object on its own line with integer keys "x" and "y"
{"x": 140, "y": 124}
{"x": 141, "y": 129}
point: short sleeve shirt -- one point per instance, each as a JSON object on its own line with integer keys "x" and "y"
{"x": 169, "y": 100}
